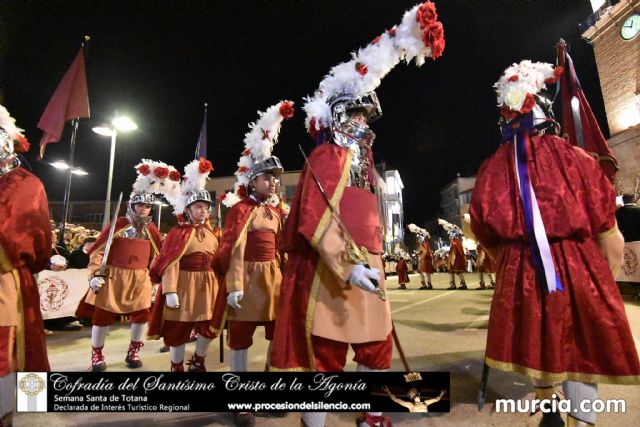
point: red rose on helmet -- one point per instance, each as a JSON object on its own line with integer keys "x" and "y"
{"x": 242, "y": 192}
{"x": 437, "y": 48}
{"x": 528, "y": 104}
{"x": 557, "y": 72}
{"x": 361, "y": 69}
{"x": 286, "y": 110}
{"x": 246, "y": 152}
{"x": 204, "y": 166}
{"x": 426, "y": 14}
{"x": 161, "y": 172}
{"x": 174, "y": 176}
{"x": 243, "y": 169}
{"x": 392, "y": 32}
{"x": 433, "y": 33}
{"x": 376, "y": 40}
{"x": 21, "y": 145}
{"x": 144, "y": 169}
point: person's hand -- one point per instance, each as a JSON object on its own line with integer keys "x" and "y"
{"x": 58, "y": 263}
{"x": 233, "y": 298}
{"x": 171, "y": 299}
{"x": 361, "y": 277}
{"x": 96, "y": 284}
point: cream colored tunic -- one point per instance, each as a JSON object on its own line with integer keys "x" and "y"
{"x": 125, "y": 290}
{"x": 260, "y": 281}
{"x": 8, "y": 300}
{"x": 341, "y": 313}
{"x": 196, "y": 289}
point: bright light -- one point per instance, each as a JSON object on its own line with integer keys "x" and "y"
{"x": 60, "y": 164}
{"x": 79, "y": 171}
{"x": 160, "y": 203}
{"x": 637, "y": 101}
{"x": 124, "y": 124}
{"x": 103, "y": 130}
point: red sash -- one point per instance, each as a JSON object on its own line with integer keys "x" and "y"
{"x": 261, "y": 246}
{"x": 197, "y": 261}
{"x": 359, "y": 213}
{"x": 132, "y": 254}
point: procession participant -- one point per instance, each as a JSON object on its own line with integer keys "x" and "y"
{"x": 456, "y": 261}
{"x": 333, "y": 234}
{"x": 25, "y": 248}
{"x": 425, "y": 260}
{"x": 402, "y": 271}
{"x": 188, "y": 286}
{"x": 546, "y": 212}
{"x": 124, "y": 286}
{"x": 486, "y": 266}
{"x": 248, "y": 258}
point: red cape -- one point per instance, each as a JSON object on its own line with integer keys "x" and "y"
{"x": 122, "y": 222}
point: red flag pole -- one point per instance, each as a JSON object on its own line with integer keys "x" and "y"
{"x": 72, "y": 148}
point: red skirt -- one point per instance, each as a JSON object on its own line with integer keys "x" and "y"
{"x": 580, "y": 334}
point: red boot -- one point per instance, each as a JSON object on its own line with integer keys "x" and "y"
{"x": 97, "y": 359}
{"x": 196, "y": 364}
{"x": 177, "y": 367}
{"x": 132, "y": 359}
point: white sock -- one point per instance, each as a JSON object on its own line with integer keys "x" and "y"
{"x": 362, "y": 368}
{"x": 238, "y": 362}
{"x": 7, "y": 393}
{"x": 99, "y": 335}
{"x": 577, "y": 392}
{"x": 177, "y": 353}
{"x": 314, "y": 419}
{"x": 202, "y": 344}
{"x": 137, "y": 331}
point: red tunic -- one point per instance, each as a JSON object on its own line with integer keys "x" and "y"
{"x": 402, "y": 269}
{"x": 581, "y": 333}
{"x": 457, "y": 262}
{"x": 425, "y": 264}
{"x": 25, "y": 248}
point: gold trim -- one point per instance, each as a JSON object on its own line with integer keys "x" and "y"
{"x": 311, "y": 307}
{"x": 563, "y": 376}
{"x": 606, "y": 234}
{"x": 337, "y": 195}
{"x": 20, "y": 330}
{"x": 236, "y": 244}
{"x": 153, "y": 245}
{"x": 5, "y": 264}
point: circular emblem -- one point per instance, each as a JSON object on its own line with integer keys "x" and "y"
{"x": 53, "y": 291}
{"x": 629, "y": 262}
{"x": 31, "y": 384}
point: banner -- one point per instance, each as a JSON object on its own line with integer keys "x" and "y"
{"x": 630, "y": 271}
{"x": 61, "y": 291}
{"x": 247, "y": 391}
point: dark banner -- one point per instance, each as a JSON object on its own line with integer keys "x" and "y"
{"x": 247, "y": 391}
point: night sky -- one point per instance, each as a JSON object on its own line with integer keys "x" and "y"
{"x": 159, "y": 62}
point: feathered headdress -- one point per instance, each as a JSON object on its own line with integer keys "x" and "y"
{"x": 14, "y": 140}
{"x": 419, "y": 35}
{"x": 258, "y": 146}
{"x": 156, "y": 178}
{"x": 196, "y": 174}
{"x": 520, "y": 82}
{"x": 452, "y": 229}
{"x": 421, "y": 232}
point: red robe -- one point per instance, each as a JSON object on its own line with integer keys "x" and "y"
{"x": 425, "y": 264}
{"x": 457, "y": 262}
{"x": 581, "y": 333}
{"x": 25, "y": 248}
{"x": 401, "y": 270}
{"x": 85, "y": 310}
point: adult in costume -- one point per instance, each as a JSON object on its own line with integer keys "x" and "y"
{"x": 248, "y": 258}
{"x": 25, "y": 248}
{"x": 328, "y": 299}
{"x": 188, "y": 286}
{"x": 425, "y": 257}
{"x": 456, "y": 260}
{"x": 124, "y": 286}
{"x": 402, "y": 270}
{"x": 546, "y": 211}
{"x": 485, "y": 265}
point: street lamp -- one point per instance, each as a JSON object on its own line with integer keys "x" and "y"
{"x": 62, "y": 165}
{"x": 122, "y": 124}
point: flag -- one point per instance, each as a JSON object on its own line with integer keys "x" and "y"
{"x": 578, "y": 122}
{"x": 201, "y": 148}
{"x": 69, "y": 101}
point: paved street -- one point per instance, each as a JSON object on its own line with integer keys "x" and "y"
{"x": 441, "y": 330}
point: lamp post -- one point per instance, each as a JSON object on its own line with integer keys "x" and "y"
{"x": 119, "y": 123}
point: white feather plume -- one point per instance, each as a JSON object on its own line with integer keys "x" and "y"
{"x": 520, "y": 79}
{"x": 8, "y": 123}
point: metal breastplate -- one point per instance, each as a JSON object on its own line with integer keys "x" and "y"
{"x": 359, "y": 172}
{"x": 137, "y": 228}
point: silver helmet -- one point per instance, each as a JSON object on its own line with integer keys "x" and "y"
{"x": 271, "y": 164}
{"x": 198, "y": 196}
{"x": 7, "y": 154}
{"x": 345, "y": 131}
{"x": 135, "y": 198}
